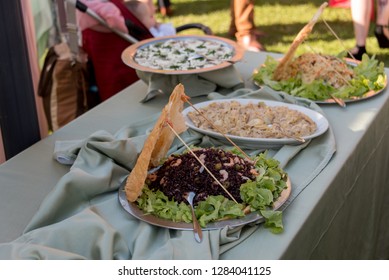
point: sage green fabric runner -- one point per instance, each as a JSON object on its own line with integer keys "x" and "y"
{"x": 82, "y": 218}
{"x": 223, "y": 80}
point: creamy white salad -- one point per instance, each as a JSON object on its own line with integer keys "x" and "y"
{"x": 253, "y": 120}
{"x": 183, "y": 54}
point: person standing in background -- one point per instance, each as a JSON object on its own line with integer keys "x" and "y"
{"x": 165, "y": 7}
{"x": 242, "y": 25}
{"x": 361, "y": 11}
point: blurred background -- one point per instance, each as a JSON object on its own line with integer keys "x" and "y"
{"x": 280, "y": 21}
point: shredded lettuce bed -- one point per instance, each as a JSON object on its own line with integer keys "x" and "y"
{"x": 370, "y": 75}
{"x": 258, "y": 195}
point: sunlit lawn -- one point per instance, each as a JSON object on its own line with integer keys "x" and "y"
{"x": 280, "y": 21}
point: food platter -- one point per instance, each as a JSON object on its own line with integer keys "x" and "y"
{"x": 260, "y": 143}
{"x": 253, "y": 217}
{"x": 351, "y": 62}
{"x": 184, "y": 54}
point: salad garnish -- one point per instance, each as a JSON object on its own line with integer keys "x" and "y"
{"x": 257, "y": 193}
{"x": 368, "y": 75}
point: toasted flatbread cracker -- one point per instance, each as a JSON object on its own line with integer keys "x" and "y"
{"x": 158, "y": 142}
{"x": 301, "y": 36}
{"x": 173, "y": 114}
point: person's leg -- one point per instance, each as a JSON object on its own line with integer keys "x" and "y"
{"x": 360, "y": 13}
{"x": 164, "y": 7}
{"x": 161, "y": 3}
{"x": 232, "y": 29}
{"x": 243, "y": 16}
{"x": 382, "y": 20}
{"x": 382, "y": 12}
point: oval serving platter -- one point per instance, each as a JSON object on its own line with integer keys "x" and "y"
{"x": 253, "y": 217}
{"x": 260, "y": 143}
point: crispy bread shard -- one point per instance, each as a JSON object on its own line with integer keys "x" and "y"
{"x": 301, "y": 36}
{"x": 158, "y": 142}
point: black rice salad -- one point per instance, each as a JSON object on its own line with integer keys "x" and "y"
{"x": 182, "y": 173}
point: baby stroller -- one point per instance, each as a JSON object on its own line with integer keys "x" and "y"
{"x": 104, "y": 49}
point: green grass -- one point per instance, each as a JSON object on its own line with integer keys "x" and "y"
{"x": 280, "y": 21}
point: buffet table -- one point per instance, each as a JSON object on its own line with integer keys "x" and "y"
{"x": 343, "y": 213}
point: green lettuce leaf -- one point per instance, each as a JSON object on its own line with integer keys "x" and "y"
{"x": 273, "y": 220}
{"x": 158, "y": 204}
{"x": 217, "y": 207}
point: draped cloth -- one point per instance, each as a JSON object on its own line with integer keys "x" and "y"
{"x": 82, "y": 218}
